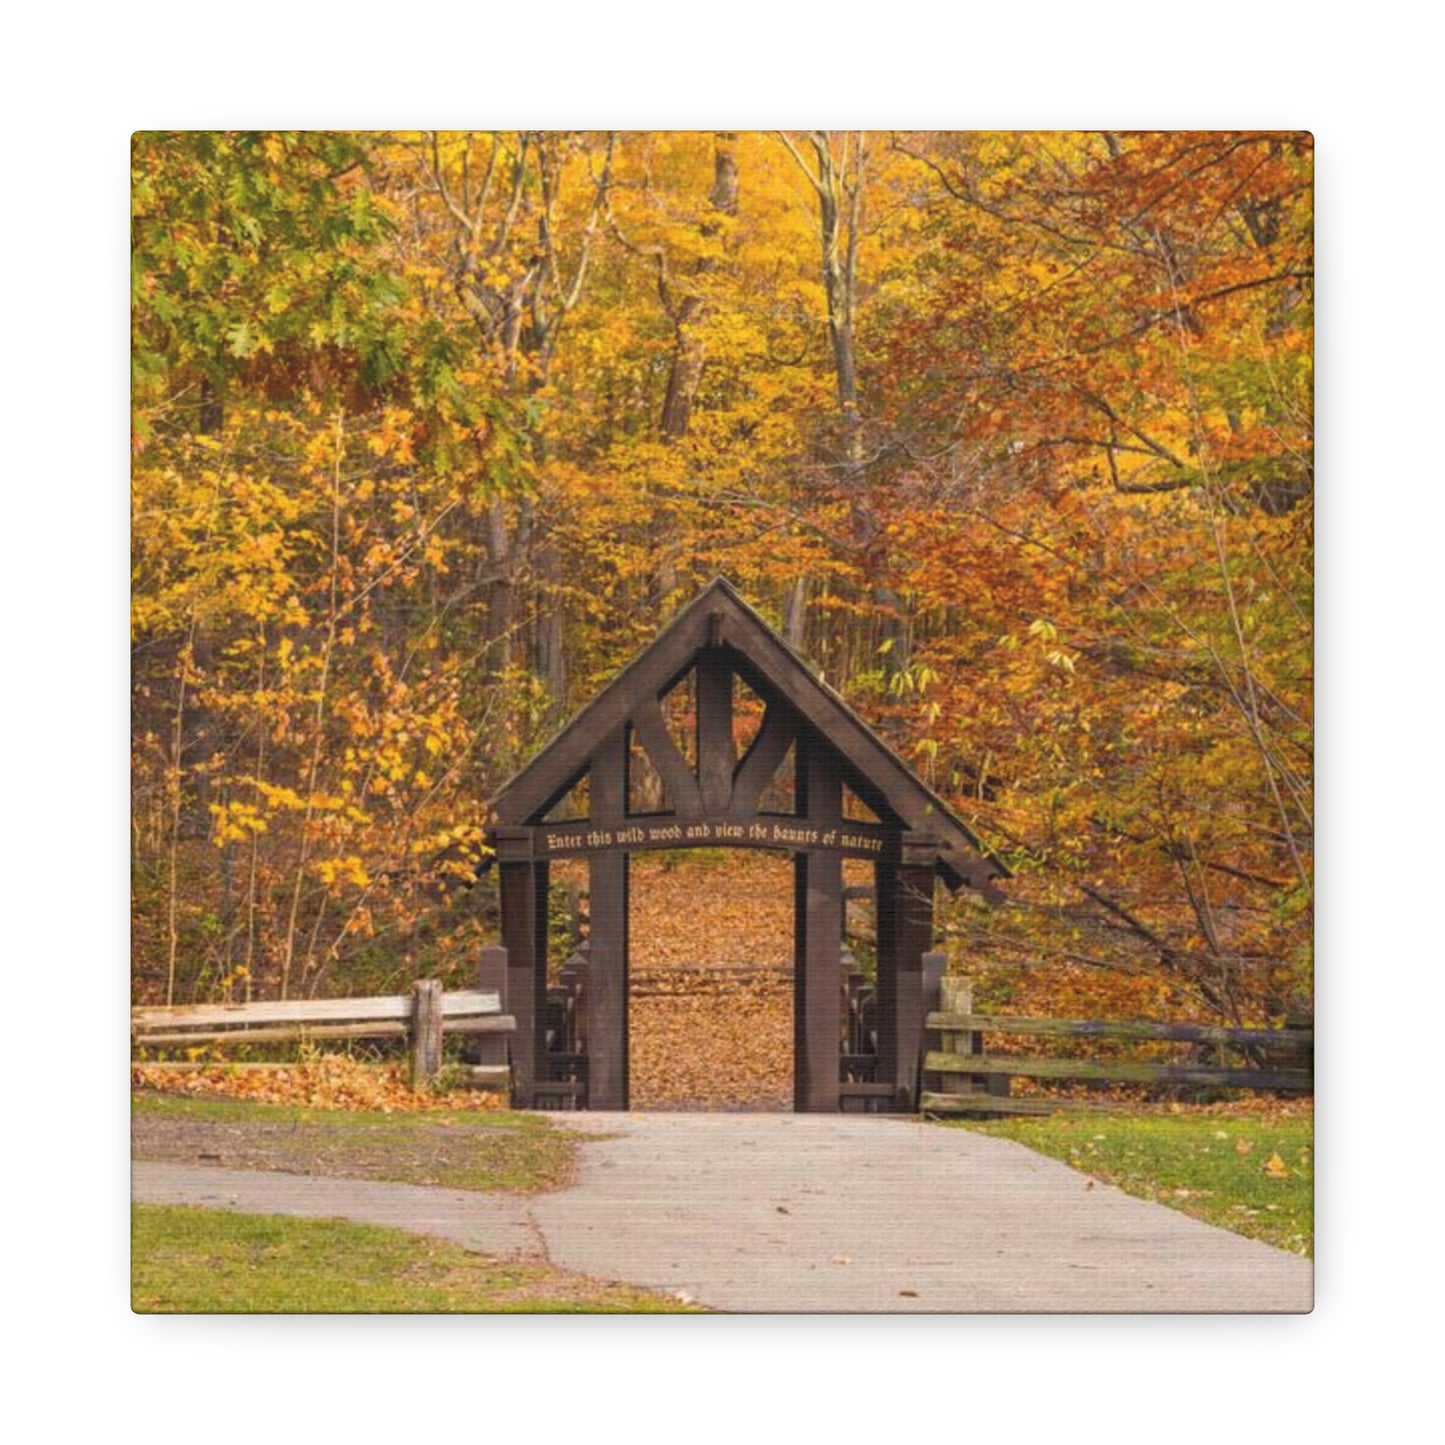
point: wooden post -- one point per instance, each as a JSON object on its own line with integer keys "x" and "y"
{"x": 935, "y": 965}
{"x": 426, "y": 1032}
{"x": 715, "y": 760}
{"x": 955, "y": 996}
{"x": 905, "y": 934}
{"x": 818, "y": 942}
{"x": 607, "y": 941}
{"x": 491, "y": 1049}
{"x": 524, "y": 936}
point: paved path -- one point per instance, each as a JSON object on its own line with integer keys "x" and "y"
{"x": 808, "y": 1212}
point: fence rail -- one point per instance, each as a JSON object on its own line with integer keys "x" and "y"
{"x": 423, "y": 1017}
{"x": 972, "y": 1081}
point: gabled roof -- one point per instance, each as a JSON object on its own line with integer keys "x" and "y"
{"x": 719, "y": 618}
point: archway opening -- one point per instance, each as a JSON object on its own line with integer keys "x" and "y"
{"x": 710, "y": 1014}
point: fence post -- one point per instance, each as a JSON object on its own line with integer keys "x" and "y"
{"x": 426, "y": 1032}
{"x": 955, "y": 996}
{"x": 492, "y": 1049}
{"x": 935, "y": 965}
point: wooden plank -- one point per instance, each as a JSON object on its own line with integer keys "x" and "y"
{"x": 498, "y": 1024}
{"x": 426, "y": 1032}
{"x": 1121, "y": 1029}
{"x": 316, "y": 1010}
{"x": 271, "y": 1034}
{"x": 944, "y": 1104}
{"x": 715, "y": 729}
{"x": 469, "y": 1003}
{"x": 278, "y": 1011}
{"x": 937, "y": 1062}
{"x": 762, "y": 760}
{"x": 488, "y": 1076}
{"x": 486, "y": 1027}
{"x": 679, "y": 779}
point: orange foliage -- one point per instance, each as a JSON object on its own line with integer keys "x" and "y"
{"x": 1023, "y": 462}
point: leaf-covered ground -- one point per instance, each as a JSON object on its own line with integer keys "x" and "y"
{"x": 711, "y": 1022}
{"x": 320, "y": 1081}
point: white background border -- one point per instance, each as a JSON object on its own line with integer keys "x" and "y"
{"x": 80, "y": 83}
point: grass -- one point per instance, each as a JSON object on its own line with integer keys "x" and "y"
{"x": 488, "y": 1151}
{"x": 1250, "y": 1174}
{"x": 199, "y": 1261}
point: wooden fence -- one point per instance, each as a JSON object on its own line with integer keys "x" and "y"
{"x": 974, "y": 1081}
{"x": 422, "y": 1018}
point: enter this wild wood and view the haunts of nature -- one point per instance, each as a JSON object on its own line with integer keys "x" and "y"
{"x": 1008, "y": 434}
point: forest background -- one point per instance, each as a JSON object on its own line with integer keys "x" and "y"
{"x": 1010, "y": 434}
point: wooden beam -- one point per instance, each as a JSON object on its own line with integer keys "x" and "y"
{"x": 607, "y": 1034}
{"x": 715, "y": 729}
{"x": 905, "y": 933}
{"x": 523, "y": 889}
{"x": 680, "y": 779}
{"x": 1123, "y": 1029}
{"x": 607, "y": 1041}
{"x": 270, "y": 1034}
{"x": 762, "y": 760}
{"x": 818, "y": 925}
{"x": 426, "y": 1032}
{"x": 938, "y": 1062}
{"x": 493, "y": 1025}
{"x": 570, "y": 751}
{"x": 777, "y": 674}
{"x": 309, "y": 1010}
{"x": 965, "y": 1104}
{"x": 785, "y": 674}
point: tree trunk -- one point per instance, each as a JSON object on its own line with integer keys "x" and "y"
{"x": 689, "y": 353}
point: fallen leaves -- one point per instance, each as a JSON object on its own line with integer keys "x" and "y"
{"x": 716, "y": 1045}
{"x": 329, "y": 1081}
{"x": 711, "y": 1018}
{"x": 1276, "y": 1168}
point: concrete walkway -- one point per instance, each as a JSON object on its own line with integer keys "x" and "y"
{"x": 808, "y": 1212}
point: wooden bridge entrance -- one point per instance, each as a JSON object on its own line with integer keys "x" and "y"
{"x": 719, "y": 735}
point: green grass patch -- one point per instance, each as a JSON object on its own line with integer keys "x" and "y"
{"x": 1253, "y": 1176}
{"x": 200, "y": 1261}
{"x": 488, "y": 1150}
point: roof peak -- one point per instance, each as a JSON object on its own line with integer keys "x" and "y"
{"x": 762, "y": 657}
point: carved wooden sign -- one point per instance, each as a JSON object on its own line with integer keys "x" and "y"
{"x": 853, "y": 839}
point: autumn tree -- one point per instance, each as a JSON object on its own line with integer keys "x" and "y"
{"x": 1011, "y": 433}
